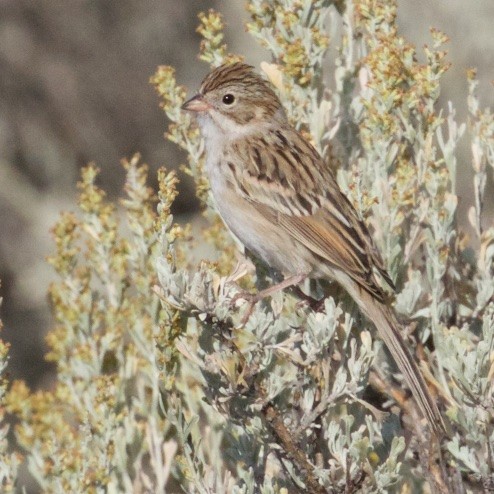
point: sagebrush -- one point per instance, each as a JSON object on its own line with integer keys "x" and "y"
{"x": 162, "y": 388}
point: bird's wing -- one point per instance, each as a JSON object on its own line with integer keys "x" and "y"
{"x": 290, "y": 184}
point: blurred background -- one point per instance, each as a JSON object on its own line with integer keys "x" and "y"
{"x": 74, "y": 88}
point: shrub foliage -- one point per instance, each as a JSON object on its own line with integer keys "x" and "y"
{"x": 161, "y": 385}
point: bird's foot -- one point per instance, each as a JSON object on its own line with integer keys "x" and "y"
{"x": 252, "y": 299}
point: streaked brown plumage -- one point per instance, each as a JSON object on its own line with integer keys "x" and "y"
{"x": 277, "y": 195}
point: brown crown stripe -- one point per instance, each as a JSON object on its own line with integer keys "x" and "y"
{"x": 224, "y": 75}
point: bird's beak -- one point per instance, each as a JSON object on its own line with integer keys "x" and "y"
{"x": 196, "y": 103}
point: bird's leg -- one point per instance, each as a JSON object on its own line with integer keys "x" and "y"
{"x": 287, "y": 282}
{"x": 252, "y": 299}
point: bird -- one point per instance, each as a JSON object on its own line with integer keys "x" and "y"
{"x": 277, "y": 195}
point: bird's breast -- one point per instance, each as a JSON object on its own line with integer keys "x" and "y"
{"x": 259, "y": 234}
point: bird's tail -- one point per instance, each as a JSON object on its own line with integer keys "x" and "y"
{"x": 389, "y": 330}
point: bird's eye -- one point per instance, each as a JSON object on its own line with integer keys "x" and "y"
{"x": 228, "y": 99}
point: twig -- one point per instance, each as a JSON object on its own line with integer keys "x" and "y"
{"x": 293, "y": 451}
